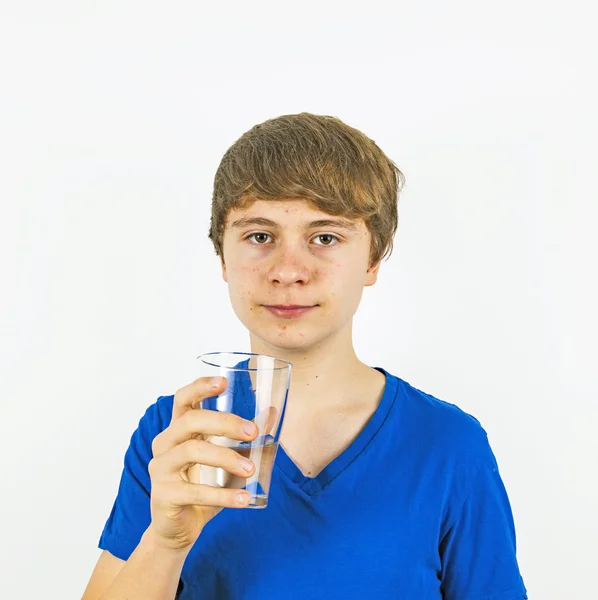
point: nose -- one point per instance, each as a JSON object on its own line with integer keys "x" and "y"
{"x": 288, "y": 267}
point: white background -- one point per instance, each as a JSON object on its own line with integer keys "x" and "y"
{"x": 113, "y": 119}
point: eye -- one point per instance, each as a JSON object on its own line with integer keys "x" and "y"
{"x": 327, "y": 235}
{"x": 253, "y": 235}
{"x": 260, "y": 238}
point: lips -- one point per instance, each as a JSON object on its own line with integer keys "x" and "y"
{"x": 290, "y": 306}
{"x": 289, "y": 311}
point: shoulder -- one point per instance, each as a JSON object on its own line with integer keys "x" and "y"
{"x": 156, "y": 418}
{"x": 436, "y": 410}
{"x": 441, "y": 427}
{"x": 162, "y": 410}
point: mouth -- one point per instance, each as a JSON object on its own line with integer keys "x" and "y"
{"x": 289, "y": 311}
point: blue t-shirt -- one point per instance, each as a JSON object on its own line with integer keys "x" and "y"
{"x": 413, "y": 509}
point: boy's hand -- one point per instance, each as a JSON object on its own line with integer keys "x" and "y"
{"x": 180, "y": 504}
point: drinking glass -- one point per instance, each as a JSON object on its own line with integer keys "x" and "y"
{"x": 257, "y": 390}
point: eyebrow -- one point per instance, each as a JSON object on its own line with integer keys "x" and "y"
{"x": 263, "y": 222}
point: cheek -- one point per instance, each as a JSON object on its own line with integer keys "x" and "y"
{"x": 347, "y": 279}
{"x": 241, "y": 282}
{"x": 344, "y": 273}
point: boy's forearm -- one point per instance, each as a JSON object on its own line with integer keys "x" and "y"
{"x": 151, "y": 573}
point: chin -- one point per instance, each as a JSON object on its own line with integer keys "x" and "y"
{"x": 286, "y": 340}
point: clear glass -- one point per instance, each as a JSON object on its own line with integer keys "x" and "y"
{"x": 257, "y": 390}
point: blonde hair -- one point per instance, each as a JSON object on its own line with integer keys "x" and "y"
{"x": 316, "y": 158}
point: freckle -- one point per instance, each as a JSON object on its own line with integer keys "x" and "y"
{"x": 317, "y": 376}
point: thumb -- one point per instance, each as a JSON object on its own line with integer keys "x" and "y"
{"x": 271, "y": 418}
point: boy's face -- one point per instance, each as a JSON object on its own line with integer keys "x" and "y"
{"x": 292, "y": 261}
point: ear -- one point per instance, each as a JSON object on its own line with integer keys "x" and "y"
{"x": 371, "y": 275}
{"x": 223, "y": 266}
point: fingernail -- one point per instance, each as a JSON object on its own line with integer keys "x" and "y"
{"x": 242, "y": 499}
{"x": 246, "y": 464}
{"x": 249, "y": 428}
{"x": 216, "y": 381}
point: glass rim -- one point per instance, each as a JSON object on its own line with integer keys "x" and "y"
{"x": 287, "y": 364}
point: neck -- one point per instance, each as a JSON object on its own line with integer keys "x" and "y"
{"x": 325, "y": 376}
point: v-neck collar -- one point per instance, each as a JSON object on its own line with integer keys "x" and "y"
{"x": 313, "y": 485}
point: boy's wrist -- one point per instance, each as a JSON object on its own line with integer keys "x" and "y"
{"x": 157, "y": 545}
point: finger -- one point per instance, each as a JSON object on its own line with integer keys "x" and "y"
{"x": 264, "y": 455}
{"x": 205, "y": 423}
{"x": 191, "y": 395}
{"x": 266, "y": 420}
{"x": 271, "y": 419}
{"x": 199, "y": 452}
{"x": 190, "y": 494}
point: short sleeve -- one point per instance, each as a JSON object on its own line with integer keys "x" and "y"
{"x": 478, "y": 552}
{"x": 130, "y": 515}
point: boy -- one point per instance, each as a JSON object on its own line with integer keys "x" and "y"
{"x": 379, "y": 490}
